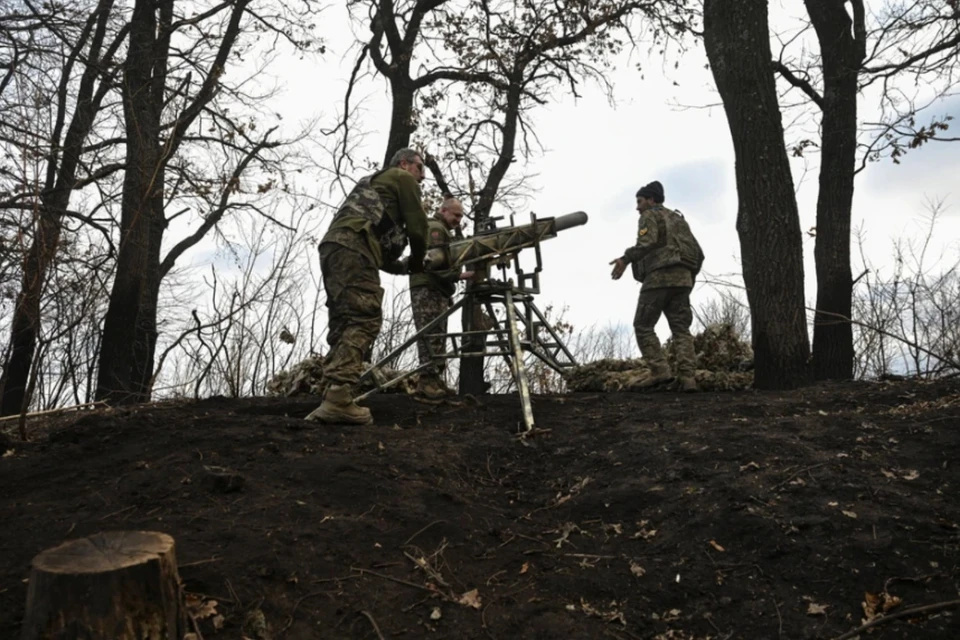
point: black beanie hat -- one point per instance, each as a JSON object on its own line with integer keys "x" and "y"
{"x": 653, "y": 190}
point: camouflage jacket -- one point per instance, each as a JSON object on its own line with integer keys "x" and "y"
{"x": 666, "y": 253}
{"x": 379, "y": 216}
{"x": 442, "y": 281}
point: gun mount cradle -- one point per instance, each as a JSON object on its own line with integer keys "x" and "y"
{"x": 519, "y": 330}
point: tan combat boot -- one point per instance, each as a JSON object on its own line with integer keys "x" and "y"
{"x": 431, "y": 388}
{"x": 659, "y": 373}
{"x": 338, "y": 407}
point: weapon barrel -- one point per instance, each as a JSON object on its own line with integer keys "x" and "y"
{"x": 501, "y": 242}
{"x": 571, "y": 220}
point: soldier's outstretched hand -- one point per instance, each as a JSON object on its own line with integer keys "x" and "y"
{"x": 618, "y": 269}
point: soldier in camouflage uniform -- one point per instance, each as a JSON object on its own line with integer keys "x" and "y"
{"x": 368, "y": 234}
{"x": 431, "y": 294}
{"x": 666, "y": 259}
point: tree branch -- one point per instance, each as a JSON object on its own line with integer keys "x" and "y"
{"x": 214, "y": 217}
{"x": 798, "y": 82}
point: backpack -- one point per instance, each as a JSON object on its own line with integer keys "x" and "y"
{"x": 677, "y": 246}
{"x": 364, "y": 203}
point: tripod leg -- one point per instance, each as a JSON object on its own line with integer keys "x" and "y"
{"x": 413, "y": 339}
{"x": 519, "y": 374}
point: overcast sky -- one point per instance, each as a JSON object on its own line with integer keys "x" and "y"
{"x": 598, "y": 155}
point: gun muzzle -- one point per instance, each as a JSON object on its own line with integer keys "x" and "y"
{"x": 570, "y": 220}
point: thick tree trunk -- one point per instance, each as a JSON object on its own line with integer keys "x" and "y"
{"x": 737, "y": 40}
{"x": 471, "y": 369}
{"x": 402, "y": 124}
{"x": 130, "y": 326}
{"x": 121, "y": 585}
{"x": 25, "y": 325}
{"x": 842, "y": 54}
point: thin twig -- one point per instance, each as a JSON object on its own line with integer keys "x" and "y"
{"x": 929, "y": 608}
{"x": 397, "y": 580}
{"x": 296, "y": 604}
{"x": 797, "y": 473}
{"x": 374, "y": 623}
{"x": 198, "y": 562}
{"x": 48, "y": 412}
{"x": 118, "y": 512}
{"x": 410, "y": 539}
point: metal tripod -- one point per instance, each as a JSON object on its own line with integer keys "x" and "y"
{"x": 521, "y": 328}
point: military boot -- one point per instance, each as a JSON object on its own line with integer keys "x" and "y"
{"x": 338, "y": 407}
{"x": 687, "y": 384}
{"x": 659, "y": 373}
{"x": 431, "y": 388}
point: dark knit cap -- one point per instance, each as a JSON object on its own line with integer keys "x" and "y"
{"x": 653, "y": 190}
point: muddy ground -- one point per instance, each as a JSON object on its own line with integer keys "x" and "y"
{"x": 715, "y": 515}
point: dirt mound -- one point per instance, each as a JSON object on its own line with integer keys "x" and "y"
{"x": 793, "y": 515}
{"x": 724, "y": 362}
{"x": 747, "y": 515}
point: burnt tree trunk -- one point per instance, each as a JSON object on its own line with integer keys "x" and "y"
{"x": 54, "y": 200}
{"x": 130, "y": 326}
{"x": 737, "y": 41}
{"x": 842, "y": 51}
{"x": 121, "y": 585}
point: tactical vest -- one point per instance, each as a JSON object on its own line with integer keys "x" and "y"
{"x": 676, "y": 245}
{"x": 364, "y": 203}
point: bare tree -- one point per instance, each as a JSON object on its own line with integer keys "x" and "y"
{"x": 171, "y": 96}
{"x": 79, "y": 79}
{"x": 908, "y": 52}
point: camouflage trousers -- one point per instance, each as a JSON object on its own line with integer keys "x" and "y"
{"x": 354, "y": 297}
{"x": 429, "y": 304}
{"x": 674, "y": 303}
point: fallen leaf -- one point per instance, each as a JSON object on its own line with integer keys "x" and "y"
{"x": 870, "y": 604}
{"x": 749, "y": 465}
{"x": 525, "y": 568}
{"x": 470, "y": 599}
{"x": 912, "y": 474}
{"x": 713, "y": 543}
{"x": 876, "y": 604}
{"x": 636, "y": 569}
{"x": 8, "y": 453}
{"x": 217, "y": 622}
{"x": 435, "y": 614}
{"x": 833, "y": 504}
{"x": 889, "y": 601}
{"x": 199, "y": 608}
{"x": 849, "y": 514}
{"x": 888, "y": 474}
{"x": 822, "y": 412}
{"x": 814, "y": 609}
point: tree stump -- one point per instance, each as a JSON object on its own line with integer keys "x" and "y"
{"x": 119, "y": 585}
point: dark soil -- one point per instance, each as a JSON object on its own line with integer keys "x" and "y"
{"x": 739, "y": 515}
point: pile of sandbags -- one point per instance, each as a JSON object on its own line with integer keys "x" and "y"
{"x": 724, "y": 363}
